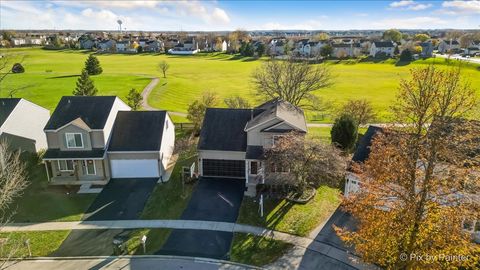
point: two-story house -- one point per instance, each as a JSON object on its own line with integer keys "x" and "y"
{"x": 233, "y": 141}
{"x": 21, "y": 124}
{"x": 382, "y": 48}
{"x": 77, "y": 136}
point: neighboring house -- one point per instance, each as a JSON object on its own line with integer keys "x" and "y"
{"x": 141, "y": 144}
{"x": 77, "y": 136}
{"x": 153, "y": 46}
{"x": 224, "y": 46}
{"x": 427, "y": 49}
{"x": 122, "y": 46}
{"x": 106, "y": 45}
{"x": 21, "y": 124}
{"x": 346, "y": 50}
{"x": 233, "y": 141}
{"x": 17, "y": 41}
{"x": 446, "y": 46}
{"x": 379, "y": 48}
{"x": 87, "y": 44}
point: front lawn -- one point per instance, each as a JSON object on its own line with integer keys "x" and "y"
{"x": 41, "y": 202}
{"x": 299, "y": 219}
{"x": 42, "y": 243}
{"x": 155, "y": 240}
{"x": 256, "y": 250}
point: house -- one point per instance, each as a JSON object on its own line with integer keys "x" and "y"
{"x": 141, "y": 144}
{"x": 153, "y": 46}
{"x": 77, "y": 136}
{"x": 21, "y": 124}
{"x": 379, "y": 48}
{"x": 86, "y": 44}
{"x": 224, "y": 46}
{"x": 446, "y": 46}
{"x": 106, "y": 45}
{"x": 122, "y": 46}
{"x": 427, "y": 49}
{"x": 18, "y": 41}
{"x": 342, "y": 50}
{"x": 233, "y": 141}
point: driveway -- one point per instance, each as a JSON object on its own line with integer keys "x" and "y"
{"x": 120, "y": 199}
{"x": 214, "y": 199}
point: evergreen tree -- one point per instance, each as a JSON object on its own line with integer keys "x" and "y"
{"x": 92, "y": 65}
{"x": 85, "y": 85}
{"x": 134, "y": 99}
{"x": 344, "y": 132}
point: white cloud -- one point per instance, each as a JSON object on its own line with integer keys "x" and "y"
{"x": 461, "y": 7}
{"x": 410, "y": 23}
{"x": 409, "y": 5}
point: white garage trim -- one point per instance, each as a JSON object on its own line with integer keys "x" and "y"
{"x": 134, "y": 168}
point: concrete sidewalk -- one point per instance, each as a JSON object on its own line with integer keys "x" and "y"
{"x": 302, "y": 242}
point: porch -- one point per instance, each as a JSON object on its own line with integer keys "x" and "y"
{"x": 77, "y": 171}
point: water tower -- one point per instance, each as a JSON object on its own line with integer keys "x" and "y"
{"x": 120, "y": 25}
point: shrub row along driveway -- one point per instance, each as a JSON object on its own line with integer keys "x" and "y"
{"x": 120, "y": 199}
{"x": 214, "y": 199}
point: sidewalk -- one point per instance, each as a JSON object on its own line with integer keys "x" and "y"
{"x": 302, "y": 242}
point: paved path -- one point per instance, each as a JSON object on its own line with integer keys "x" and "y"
{"x": 301, "y": 242}
{"x": 460, "y": 58}
{"x": 125, "y": 263}
{"x": 146, "y": 92}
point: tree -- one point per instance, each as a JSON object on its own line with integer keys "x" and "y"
{"x": 392, "y": 35}
{"x": 326, "y": 51}
{"x": 310, "y": 161}
{"x": 85, "y": 86}
{"x": 237, "y": 102}
{"x": 344, "y": 132}
{"x": 417, "y": 183}
{"x": 321, "y": 36}
{"x": 406, "y": 55}
{"x": 13, "y": 180}
{"x": 196, "y": 110}
{"x": 92, "y": 65}
{"x": 134, "y": 99}
{"x": 291, "y": 81}
{"x": 360, "y": 110}
{"x": 139, "y": 49}
{"x": 421, "y": 37}
{"x": 164, "y": 66}
{"x": 260, "y": 49}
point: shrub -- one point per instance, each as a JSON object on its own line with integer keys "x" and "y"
{"x": 18, "y": 68}
{"x": 344, "y": 132}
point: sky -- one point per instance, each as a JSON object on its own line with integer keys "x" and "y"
{"x": 230, "y": 15}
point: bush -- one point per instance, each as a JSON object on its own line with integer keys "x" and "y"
{"x": 344, "y": 132}
{"x": 18, "y": 68}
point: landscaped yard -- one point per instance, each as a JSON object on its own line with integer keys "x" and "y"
{"x": 256, "y": 250}
{"x": 41, "y": 202}
{"x": 299, "y": 219}
{"x": 51, "y": 74}
{"x": 41, "y": 243}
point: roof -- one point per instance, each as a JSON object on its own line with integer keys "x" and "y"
{"x": 223, "y": 129}
{"x": 383, "y": 44}
{"x": 61, "y": 154}
{"x": 363, "y": 149}
{"x": 94, "y": 111}
{"x": 282, "y": 110}
{"x": 6, "y": 107}
{"x": 254, "y": 152}
{"x": 137, "y": 131}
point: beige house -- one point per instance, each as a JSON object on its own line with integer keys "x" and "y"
{"x": 232, "y": 141}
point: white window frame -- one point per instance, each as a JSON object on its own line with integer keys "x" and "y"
{"x": 73, "y": 134}
{"x": 66, "y": 165}
{"x": 85, "y": 164}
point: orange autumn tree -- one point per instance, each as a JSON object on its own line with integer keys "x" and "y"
{"x": 422, "y": 180}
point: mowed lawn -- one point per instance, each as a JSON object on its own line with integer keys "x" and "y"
{"x": 51, "y": 74}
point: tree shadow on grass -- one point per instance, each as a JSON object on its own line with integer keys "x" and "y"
{"x": 64, "y": 76}
{"x": 401, "y": 63}
{"x": 277, "y": 217}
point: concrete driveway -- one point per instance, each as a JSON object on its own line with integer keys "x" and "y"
{"x": 120, "y": 199}
{"x": 214, "y": 199}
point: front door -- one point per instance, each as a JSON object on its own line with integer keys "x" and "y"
{"x": 89, "y": 167}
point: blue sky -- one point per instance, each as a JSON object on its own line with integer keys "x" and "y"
{"x": 230, "y": 15}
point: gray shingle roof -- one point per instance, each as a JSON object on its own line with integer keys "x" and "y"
{"x": 94, "y": 111}
{"x": 384, "y": 44}
{"x": 138, "y": 131}
{"x": 363, "y": 149}
{"x": 59, "y": 154}
{"x": 6, "y": 107}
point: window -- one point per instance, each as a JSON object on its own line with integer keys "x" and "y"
{"x": 74, "y": 140}
{"x": 89, "y": 167}
{"x": 65, "y": 165}
{"x": 275, "y": 139}
{"x": 166, "y": 124}
{"x": 254, "y": 167}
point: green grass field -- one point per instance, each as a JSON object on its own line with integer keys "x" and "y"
{"x": 51, "y": 74}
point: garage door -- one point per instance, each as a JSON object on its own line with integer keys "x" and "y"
{"x": 134, "y": 168}
{"x": 224, "y": 168}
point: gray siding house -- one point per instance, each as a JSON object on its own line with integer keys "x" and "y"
{"x": 232, "y": 141}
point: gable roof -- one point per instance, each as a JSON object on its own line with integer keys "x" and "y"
{"x": 281, "y": 110}
{"x": 223, "y": 129}
{"x": 138, "y": 131}
{"x": 384, "y": 44}
{"x": 93, "y": 111}
{"x": 363, "y": 149}
{"x": 6, "y": 107}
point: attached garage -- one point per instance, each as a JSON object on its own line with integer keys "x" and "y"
{"x": 134, "y": 168}
{"x": 223, "y": 168}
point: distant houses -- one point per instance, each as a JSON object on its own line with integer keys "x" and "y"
{"x": 382, "y": 48}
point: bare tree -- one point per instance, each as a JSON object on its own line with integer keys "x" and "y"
{"x": 290, "y": 80}
{"x": 13, "y": 180}
{"x": 237, "y": 102}
{"x": 360, "y": 110}
{"x": 163, "y": 66}
{"x": 309, "y": 161}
